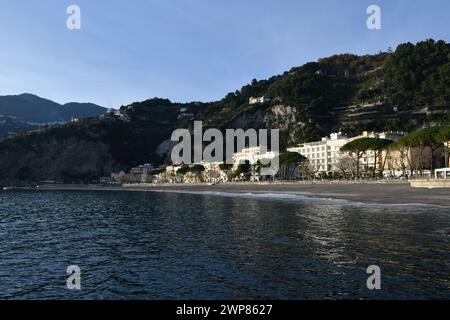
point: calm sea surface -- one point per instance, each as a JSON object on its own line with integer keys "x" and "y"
{"x": 151, "y": 245}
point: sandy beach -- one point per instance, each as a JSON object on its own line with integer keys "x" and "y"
{"x": 380, "y": 193}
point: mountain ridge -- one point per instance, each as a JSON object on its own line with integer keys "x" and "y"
{"x": 28, "y": 107}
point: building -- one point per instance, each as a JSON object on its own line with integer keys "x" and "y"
{"x": 140, "y": 174}
{"x": 414, "y": 161}
{"x": 122, "y": 116}
{"x": 390, "y": 135}
{"x": 171, "y": 174}
{"x": 213, "y": 173}
{"x": 142, "y": 169}
{"x": 324, "y": 155}
{"x": 183, "y": 113}
{"x": 173, "y": 169}
{"x": 257, "y": 100}
{"x": 252, "y": 155}
{"x": 167, "y": 174}
{"x": 113, "y": 179}
{"x": 385, "y": 160}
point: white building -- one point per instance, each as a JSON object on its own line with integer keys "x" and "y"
{"x": 394, "y": 136}
{"x": 257, "y": 100}
{"x": 213, "y": 173}
{"x": 122, "y": 116}
{"x": 323, "y": 155}
{"x": 253, "y": 155}
{"x": 142, "y": 169}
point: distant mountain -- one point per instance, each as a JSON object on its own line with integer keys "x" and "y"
{"x": 33, "y": 109}
{"x": 401, "y": 90}
{"x": 81, "y": 110}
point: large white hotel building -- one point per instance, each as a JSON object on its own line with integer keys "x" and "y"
{"x": 325, "y": 155}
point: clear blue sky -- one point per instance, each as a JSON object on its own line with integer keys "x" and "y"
{"x": 188, "y": 50}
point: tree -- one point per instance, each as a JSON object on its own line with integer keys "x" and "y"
{"x": 410, "y": 141}
{"x": 183, "y": 170}
{"x": 357, "y": 147}
{"x": 225, "y": 167}
{"x": 417, "y": 75}
{"x": 377, "y": 146}
{"x": 306, "y": 169}
{"x": 422, "y": 139}
{"x": 403, "y": 160}
{"x": 429, "y": 138}
{"x": 361, "y": 146}
{"x": 244, "y": 170}
{"x": 197, "y": 168}
{"x": 289, "y": 165}
{"x": 443, "y": 135}
{"x": 432, "y": 137}
{"x": 347, "y": 166}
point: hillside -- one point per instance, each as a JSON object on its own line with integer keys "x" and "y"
{"x": 399, "y": 90}
{"x": 10, "y": 126}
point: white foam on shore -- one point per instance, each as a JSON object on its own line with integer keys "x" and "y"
{"x": 303, "y": 198}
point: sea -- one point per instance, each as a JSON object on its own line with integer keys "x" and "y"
{"x": 218, "y": 245}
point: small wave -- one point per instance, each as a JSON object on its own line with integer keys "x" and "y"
{"x": 304, "y": 198}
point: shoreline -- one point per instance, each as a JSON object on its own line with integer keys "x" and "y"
{"x": 371, "y": 193}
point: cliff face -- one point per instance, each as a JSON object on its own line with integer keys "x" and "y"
{"x": 77, "y": 160}
{"x": 388, "y": 91}
{"x": 89, "y": 148}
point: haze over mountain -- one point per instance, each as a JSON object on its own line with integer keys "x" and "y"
{"x": 24, "y": 112}
{"x": 401, "y": 90}
{"x": 31, "y": 108}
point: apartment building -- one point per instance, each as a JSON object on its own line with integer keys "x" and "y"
{"x": 142, "y": 169}
{"x": 213, "y": 173}
{"x": 323, "y": 155}
{"x": 253, "y": 155}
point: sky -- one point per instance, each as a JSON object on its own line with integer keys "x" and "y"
{"x": 189, "y": 50}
